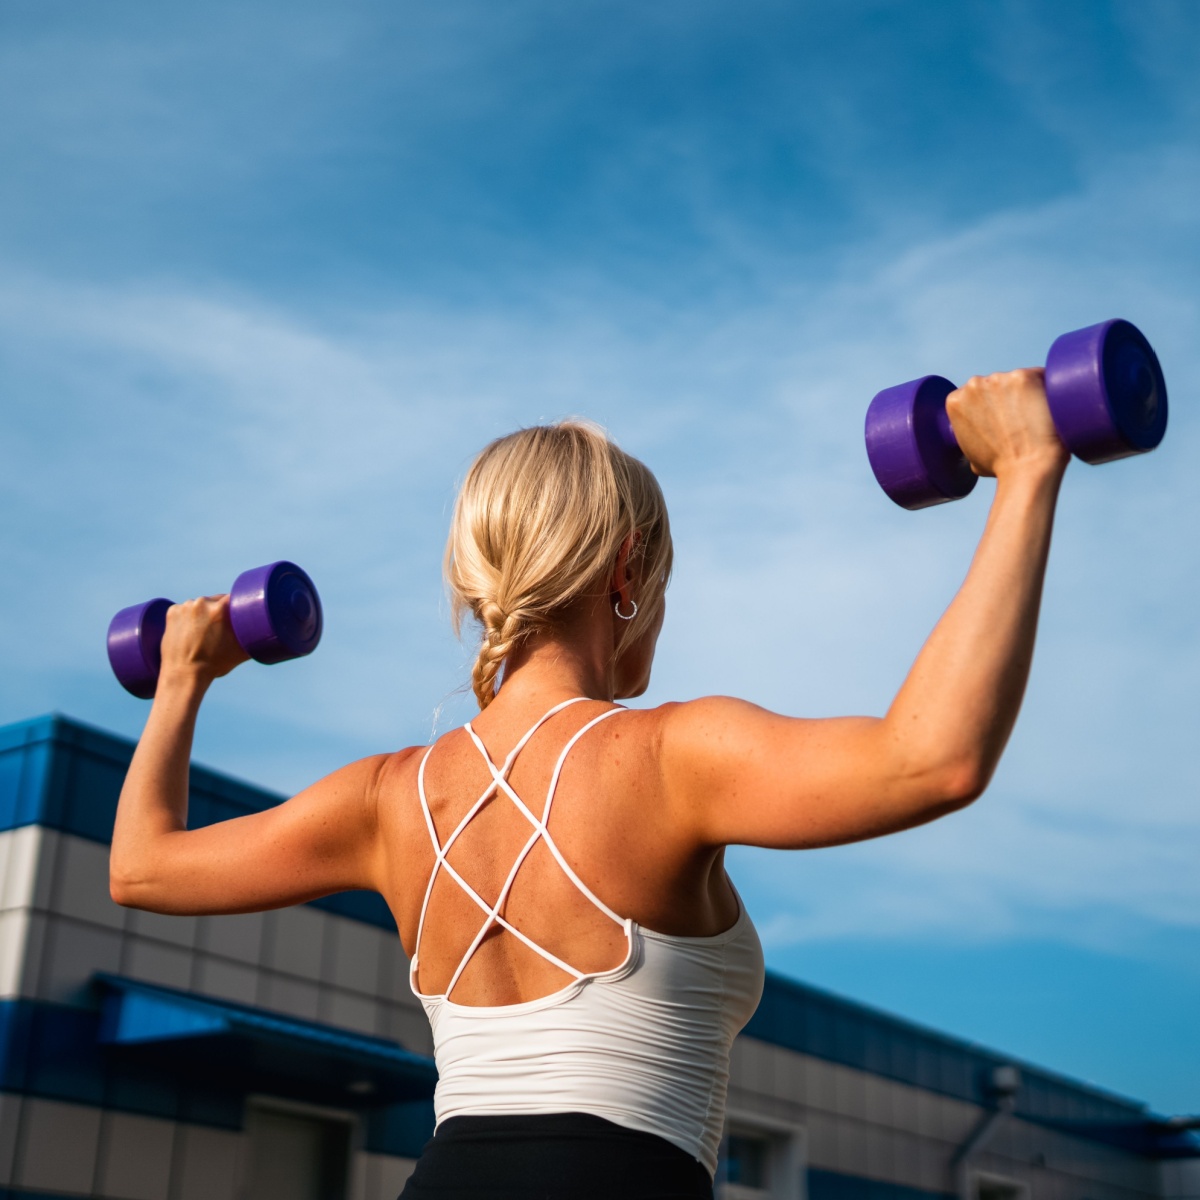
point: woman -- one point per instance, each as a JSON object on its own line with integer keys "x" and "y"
{"x": 556, "y": 866}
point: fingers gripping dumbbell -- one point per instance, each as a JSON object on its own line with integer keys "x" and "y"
{"x": 1106, "y": 393}
{"x": 274, "y": 610}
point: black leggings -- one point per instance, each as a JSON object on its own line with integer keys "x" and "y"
{"x": 560, "y": 1156}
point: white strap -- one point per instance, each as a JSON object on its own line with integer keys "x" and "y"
{"x": 500, "y": 781}
{"x": 493, "y": 915}
{"x": 550, "y": 842}
{"x": 540, "y": 832}
{"x": 440, "y": 851}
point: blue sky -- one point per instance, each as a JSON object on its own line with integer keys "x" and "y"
{"x": 270, "y": 274}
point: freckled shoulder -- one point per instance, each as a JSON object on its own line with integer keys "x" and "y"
{"x": 399, "y": 769}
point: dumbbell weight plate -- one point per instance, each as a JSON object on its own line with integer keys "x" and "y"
{"x": 1106, "y": 392}
{"x": 275, "y": 612}
{"x": 911, "y": 446}
{"x": 135, "y": 646}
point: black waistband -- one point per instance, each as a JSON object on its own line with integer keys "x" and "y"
{"x": 555, "y": 1156}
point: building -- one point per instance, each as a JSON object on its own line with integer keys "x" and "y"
{"x": 281, "y": 1056}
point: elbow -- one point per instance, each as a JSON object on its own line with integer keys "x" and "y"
{"x": 120, "y": 890}
{"x": 937, "y": 790}
{"x": 125, "y": 887}
{"x": 961, "y": 784}
{"x": 145, "y": 877}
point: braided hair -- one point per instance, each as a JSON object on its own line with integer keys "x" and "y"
{"x": 538, "y": 523}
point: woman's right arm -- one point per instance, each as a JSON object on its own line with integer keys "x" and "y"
{"x": 737, "y": 774}
{"x": 323, "y": 840}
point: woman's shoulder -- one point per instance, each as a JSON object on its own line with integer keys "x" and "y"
{"x": 672, "y": 730}
{"x": 398, "y": 762}
{"x": 692, "y": 738}
{"x": 397, "y": 769}
{"x": 704, "y": 719}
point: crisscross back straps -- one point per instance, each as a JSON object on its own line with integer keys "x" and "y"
{"x": 539, "y": 833}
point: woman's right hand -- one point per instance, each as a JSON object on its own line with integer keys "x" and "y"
{"x": 1003, "y": 424}
{"x": 199, "y": 641}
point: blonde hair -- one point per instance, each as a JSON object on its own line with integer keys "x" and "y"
{"x": 538, "y": 523}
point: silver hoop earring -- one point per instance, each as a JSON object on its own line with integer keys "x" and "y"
{"x": 617, "y": 610}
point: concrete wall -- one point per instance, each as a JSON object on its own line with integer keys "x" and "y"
{"x": 1181, "y": 1179}
{"x": 78, "y": 1150}
{"x": 58, "y": 927}
{"x": 863, "y": 1125}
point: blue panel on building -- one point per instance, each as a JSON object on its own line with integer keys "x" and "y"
{"x": 64, "y": 775}
{"x": 203, "y": 1038}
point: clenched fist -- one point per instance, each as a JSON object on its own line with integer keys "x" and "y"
{"x": 199, "y": 639}
{"x": 1002, "y": 423}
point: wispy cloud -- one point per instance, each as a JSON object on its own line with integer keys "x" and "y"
{"x": 181, "y": 433}
{"x": 271, "y": 279}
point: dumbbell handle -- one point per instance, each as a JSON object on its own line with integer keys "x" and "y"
{"x": 945, "y": 430}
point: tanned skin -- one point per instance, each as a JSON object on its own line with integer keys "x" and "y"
{"x": 650, "y": 798}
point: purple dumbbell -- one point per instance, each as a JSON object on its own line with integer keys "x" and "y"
{"x": 274, "y": 610}
{"x": 1107, "y": 396}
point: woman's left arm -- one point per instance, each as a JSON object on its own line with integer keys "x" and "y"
{"x": 321, "y": 841}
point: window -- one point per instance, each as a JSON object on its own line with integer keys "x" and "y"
{"x": 995, "y": 1187}
{"x": 761, "y": 1158}
{"x": 294, "y": 1156}
{"x": 746, "y": 1159}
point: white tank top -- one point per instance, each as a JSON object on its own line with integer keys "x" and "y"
{"x": 645, "y": 1044}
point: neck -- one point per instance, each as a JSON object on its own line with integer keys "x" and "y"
{"x": 574, "y": 659}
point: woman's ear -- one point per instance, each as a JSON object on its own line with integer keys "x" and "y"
{"x": 621, "y": 578}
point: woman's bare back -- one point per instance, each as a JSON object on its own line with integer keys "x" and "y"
{"x": 609, "y": 820}
{"x": 648, "y": 798}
